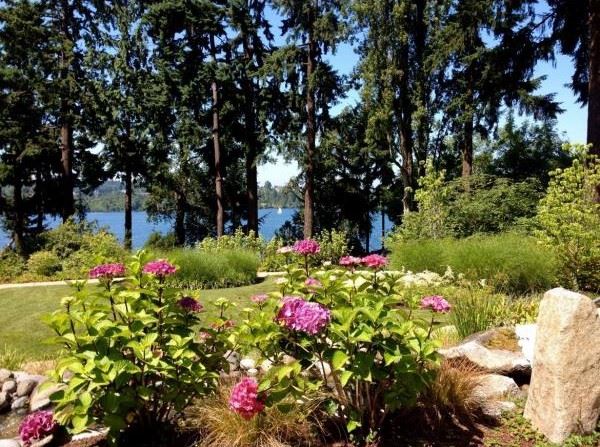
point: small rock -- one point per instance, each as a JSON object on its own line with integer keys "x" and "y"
{"x": 495, "y": 409}
{"x": 252, "y": 372}
{"x": 233, "y": 358}
{"x": 20, "y": 402}
{"x": 266, "y": 365}
{"x": 526, "y": 338}
{"x": 25, "y": 387}
{"x": 5, "y": 374}
{"x": 9, "y": 386}
{"x": 4, "y": 401}
{"x": 40, "y": 398}
{"x": 494, "y": 386}
{"x": 9, "y": 443}
{"x": 248, "y": 363}
{"x": 42, "y": 442}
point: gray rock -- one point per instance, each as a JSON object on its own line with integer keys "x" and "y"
{"x": 40, "y": 397}
{"x": 496, "y": 361}
{"x": 9, "y": 443}
{"x": 233, "y": 358}
{"x": 10, "y": 386}
{"x": 496, "y": 409}
{"x": 5, "y": 374}
{"x": 42, "y": 442}
{"x": 4, "y": 401}
{"x": 25, "y": 387}
{"x": 564, "y": 393}
{"x": 495, "y": 386}
{"x": 19, "y": 403}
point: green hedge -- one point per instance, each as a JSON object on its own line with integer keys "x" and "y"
{"x": 199, "y": 269}
{"x": 510, "y": 262}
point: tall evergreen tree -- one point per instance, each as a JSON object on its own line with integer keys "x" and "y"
{"x": 314, "y": 28}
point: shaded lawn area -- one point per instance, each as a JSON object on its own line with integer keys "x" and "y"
{"x": 22, "y": 309}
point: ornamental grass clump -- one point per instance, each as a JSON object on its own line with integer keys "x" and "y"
{"x": 138, "y": 353}
{"x": 354, "y": 340}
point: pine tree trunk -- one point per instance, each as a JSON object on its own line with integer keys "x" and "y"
{"x": 19, "y": 216}
{"x": 467, "y": 148}
{"x": 66, "y": 130}
{"x": 127, "y": 240}
{"x": 309, "y": 193}
{"x": 252, "y": 144}
{"x": 217, "y": 146}
{"x": 593, "y": 124}
{"x": 180, "y": 219}
{"x": 39, "y": 196}
{"x": 406, "y": 135}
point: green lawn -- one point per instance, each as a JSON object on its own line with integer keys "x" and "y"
{"x": 21, "y": 309}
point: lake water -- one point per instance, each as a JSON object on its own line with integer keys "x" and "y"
{"x": 271, "y": 222}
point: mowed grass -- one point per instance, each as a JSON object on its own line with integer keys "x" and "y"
{"x": 22, "y": 309}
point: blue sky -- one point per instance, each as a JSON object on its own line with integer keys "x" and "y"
{"x": 572, "y": 123}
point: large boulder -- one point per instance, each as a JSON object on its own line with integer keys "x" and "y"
{"x": 494, "y": 361}
{"x": 564, "y": 394}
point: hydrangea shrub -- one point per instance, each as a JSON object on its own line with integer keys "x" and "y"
{"x": 355, "y": 338}
{"x": 138, "y": 352}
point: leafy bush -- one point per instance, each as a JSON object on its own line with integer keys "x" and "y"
{"x": 226, "y": 268}
{"x": 510, "y": 262}
{"x": 333, "y": 244}
{"x": 463, "y": 207}
{"x": 569, "y": 216}
{"x": 44, "y": 263}
{"x": 236, "y": 241}
{"x": 344, "y": 329}
{"x": 134, "y": 355}
{"x": 11, "y": 265}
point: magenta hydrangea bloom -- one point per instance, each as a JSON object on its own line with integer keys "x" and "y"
{"x": 303, "y": 316}
{"x": 160, "y": 268}
{"x": 307, "y": 247}
{"x": 435, "y": 303}
{"x": 285, "y": 250}
{"x": 374, "y": 261}
{"x": 107, "y": 271}
{"x": 37, "y": 426}
{"x": 244, "y": 398}
{"x": 260, "y": 298}
{"x": 313, "y": 283}
{"x": 189, "y": 304}
{"x": 349, "y": 261}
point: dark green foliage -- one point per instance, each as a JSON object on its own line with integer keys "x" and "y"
{"x": 509, "y": 262}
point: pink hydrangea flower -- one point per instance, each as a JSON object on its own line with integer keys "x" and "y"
{"x": 307, "y": 247}
{"x": 260, "y": 298}
{"x": 374, "y": 261}
{"x": 160, "y": 268}
{"x": 303, "y": 316}
{"x": 37, "y": 426}
{"x": 350, "y": 261}
{"x": 107, "y": 271}
{"x": 285, "y": 250}
{"x": 436, "y": 303}
{"x": 244, "y": 398}
{"x": 189, "y": 304}
{"x": 313, "y": 283}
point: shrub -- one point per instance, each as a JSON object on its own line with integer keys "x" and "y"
{"x": 569, "y": 216}
{"x": 225, "y": 268}
{"x": 134, "y": 356}
{"x": 463, "y": 207}
{"x": 236, "y": 241}
{"x": 44, "y": 263}
{"x": 344, "y": 329}
{"x": 510, "y": 262}
{"x": 11, "y": 265}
